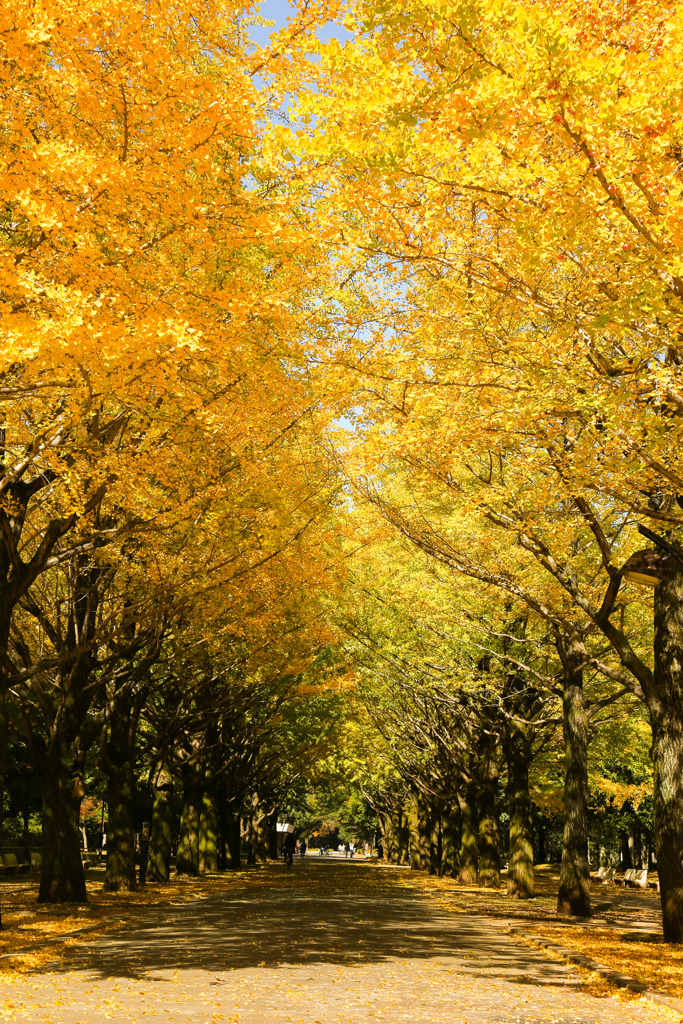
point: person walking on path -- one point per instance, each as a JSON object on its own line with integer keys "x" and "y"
{"x": 302, "y": 848}
{"x": 290, "y": 842}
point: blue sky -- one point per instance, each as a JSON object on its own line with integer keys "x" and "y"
{"x": 277, "y": 10}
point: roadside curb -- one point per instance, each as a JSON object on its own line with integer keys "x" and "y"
{"x": 608, "y": 973}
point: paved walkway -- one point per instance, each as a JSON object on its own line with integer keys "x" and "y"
{"x": 328, "y": 943}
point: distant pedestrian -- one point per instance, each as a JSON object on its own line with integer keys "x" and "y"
{"x": 289, "y": 849}
{"x": 380, "y": 852}
{"x": 302, "y": 848}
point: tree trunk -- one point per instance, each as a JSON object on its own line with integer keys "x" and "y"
{"x": 25, "y": 834}
{"x": 574, "y": 896}
{"x": 420, "y": 833}
{"x": 403, "y": 834}
{"x": 436, "y": 847}
{"x": 261, "y": 830}
{"x": 540, "y": 835}
{"x": 489, "y": 829}
{"x": 234, "y": 841}
{"x": 626, "y": 859}
{"x": 222, "y": 822}
{"x": 5, "y": 620}
{"x": 62, "y": 879}
{"x": 161, "y": 839}
{"x": 251, "y": 853}
{"x": 521, "y": 853}
{"x": 389, "y": 840}
{"x": 187, "y": 861}
{"x": 468, "y": 856}
{"x": 666, "y": 717}
{"x": 637, "y": 846}
{"x": 120, "y": 872}
{"x": 208, "y": 835}
{"x": 450, "y": 840}
{"x": 4, "y": 724}
{"x": 272, "y": 836}
{"x": 4, "y": 750}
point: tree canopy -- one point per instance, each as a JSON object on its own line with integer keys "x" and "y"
{"x": 340, "y": 384}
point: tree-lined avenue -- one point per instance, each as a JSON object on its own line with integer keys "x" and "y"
{"x": 331, "y": 942}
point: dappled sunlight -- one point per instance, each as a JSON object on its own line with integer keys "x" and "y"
{"x": 330, "y": 941}
{"x": 639, "y": 955}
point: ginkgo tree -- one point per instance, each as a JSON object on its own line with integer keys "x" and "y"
{"x": 510, "y": 173}
{"x": 146, "y": 276}
{"x": 156, "y": 278}
{"x": 468, "y": 250}
{"x": 451, "y": 662}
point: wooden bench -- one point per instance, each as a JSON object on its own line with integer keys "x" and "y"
{"x": 633, "y": 878}
{"x": 10, "y": 863}
{"x": 604, "y": 875}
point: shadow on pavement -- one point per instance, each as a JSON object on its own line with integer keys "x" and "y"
{"x": 331, "y": 912}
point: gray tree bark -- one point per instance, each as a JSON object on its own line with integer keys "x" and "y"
{"x": 574, "y": 896}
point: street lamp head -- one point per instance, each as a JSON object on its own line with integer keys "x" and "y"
{"x": 648, "y": 568}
